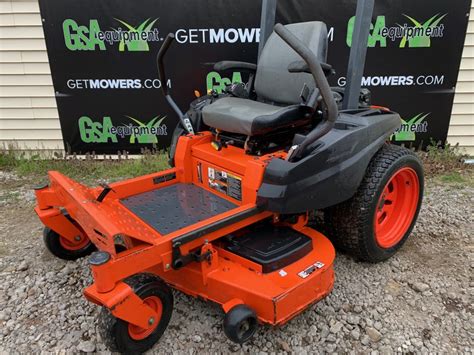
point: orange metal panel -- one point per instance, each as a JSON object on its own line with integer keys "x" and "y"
{"x": 183, "y": 156}
{"x": 139, "y": 185}
{"x": 55, "y": 220}
{"x": 276, "y": 297}
{"x": 46, "y": 198}
{"x": 232, "y": 160}
{"x": 239, "y": 260}
{"x": 123, "y": 303}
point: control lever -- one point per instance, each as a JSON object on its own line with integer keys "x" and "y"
{"x": 184, "y": 119}
{"x": 314, "y": 65}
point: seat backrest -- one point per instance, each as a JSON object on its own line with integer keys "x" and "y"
{"x": 273, "y": 82}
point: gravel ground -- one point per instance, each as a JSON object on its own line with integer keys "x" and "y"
{"x": 419, "y": 301}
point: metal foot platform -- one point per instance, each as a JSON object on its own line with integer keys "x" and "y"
{"x": 177, "y": 206}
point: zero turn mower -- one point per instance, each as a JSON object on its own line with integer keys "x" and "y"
{"x": 229, "y": 222}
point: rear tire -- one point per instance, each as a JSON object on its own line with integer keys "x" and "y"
{"x": 374, "y": 224}
{"x": 65, "y": 249}
{"x": 121, "y": 336}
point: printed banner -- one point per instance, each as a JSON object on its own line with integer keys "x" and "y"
{"x": 103, "y": 61}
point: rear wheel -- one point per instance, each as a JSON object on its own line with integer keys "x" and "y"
{"x": 378, "y": 219}
{"x": 66, "y": 249}
{"x": 121, "y": 336}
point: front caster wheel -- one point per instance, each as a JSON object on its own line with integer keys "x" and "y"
{"x": 378, "y": 219}
{"x": 66, "y": 249}
{"x": 121, "y": 336}
{"x": 240, "y": 324}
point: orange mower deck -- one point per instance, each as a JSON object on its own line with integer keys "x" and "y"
{"x": 187, "y": 252}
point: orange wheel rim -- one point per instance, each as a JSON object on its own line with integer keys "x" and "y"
{"x": 78, "y": 244}
{"x": 139, "y": 333}
{"x": 396, "y": 207}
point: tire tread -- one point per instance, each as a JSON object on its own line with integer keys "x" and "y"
{"x": 347, "y": 221}
{"x": 110, "y": 327}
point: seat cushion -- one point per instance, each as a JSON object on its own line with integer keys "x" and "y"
{"x": 251, "y": 118}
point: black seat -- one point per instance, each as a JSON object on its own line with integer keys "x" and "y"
{"x": 278, "y": 91}
{"x": 232, "y": 114}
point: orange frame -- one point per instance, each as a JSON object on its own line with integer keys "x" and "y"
{"x": 226, "y": 278}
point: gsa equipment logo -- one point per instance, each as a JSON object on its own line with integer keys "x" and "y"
{"x": 215, "y": 82}
{"x": 91, "y": 37}
{"x": 137, "y": 132}
{"x": 411, "y": 34}
{"x": 410, "y": 127}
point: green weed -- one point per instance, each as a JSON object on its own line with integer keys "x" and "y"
{"x": 453, "y": 178}
{"x": 88, "y": 168}
{"x": 441, "y": 159}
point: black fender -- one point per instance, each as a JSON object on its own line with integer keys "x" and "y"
{"x": 333, "y": 170}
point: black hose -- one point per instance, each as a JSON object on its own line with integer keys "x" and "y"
{"x": 321, "y": 82}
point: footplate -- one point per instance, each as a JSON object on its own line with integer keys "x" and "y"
{"x": 177, "y": 206}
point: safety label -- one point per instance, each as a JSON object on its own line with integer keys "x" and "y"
{"x": 225, "y": 183}
{"x": 310, "y": 269}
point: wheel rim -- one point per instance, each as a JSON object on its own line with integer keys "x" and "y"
{"x": 246, "y": 329}
{"x": 396, "y": 207}
{"x": 243, "y": 329}
{"x": 139, "y": 333}
{"x": 75, "y": 245}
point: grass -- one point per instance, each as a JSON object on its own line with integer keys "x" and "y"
{"x": 445, "y": 163}
{"x": 453, "y": 178}
{"x": 457, "y": 178}
{"x": 89, "y": 168}
{"x": 440, "y": 160}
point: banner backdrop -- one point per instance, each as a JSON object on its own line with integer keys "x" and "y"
{"x": 103, "y": 61}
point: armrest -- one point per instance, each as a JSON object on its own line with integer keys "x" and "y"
{"x": 301, "y": 66}
{"x": 234, "y": 65}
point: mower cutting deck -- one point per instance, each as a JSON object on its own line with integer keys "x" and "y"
{"x": 229, "y": 222}
{"x": 198, "y": 227}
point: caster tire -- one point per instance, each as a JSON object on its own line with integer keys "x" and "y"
{"x": 64, "y": 248}
{"x": 374, "y": 224}
{"x": 240, "y": 324}
{"x": 121, "y": 336}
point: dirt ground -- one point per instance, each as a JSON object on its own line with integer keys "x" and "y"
{"x": 418, "y": 301}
